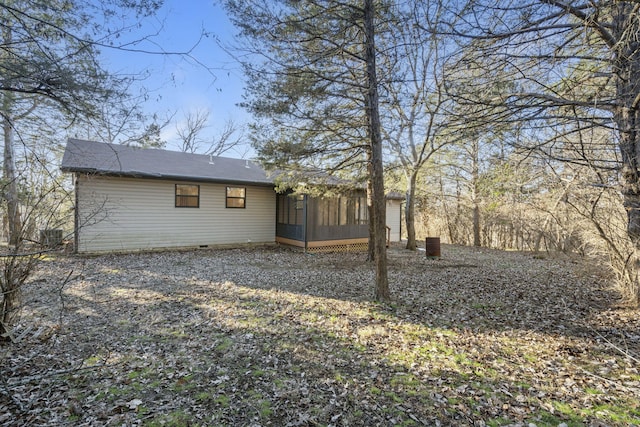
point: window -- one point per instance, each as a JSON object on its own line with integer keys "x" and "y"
{"x": 187, "y": 196}
{"x": 236, "y": 197}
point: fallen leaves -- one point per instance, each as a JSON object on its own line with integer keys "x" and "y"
{"x": 270, "y": 336}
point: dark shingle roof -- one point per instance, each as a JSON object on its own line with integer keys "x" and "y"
{"x": 122, "y": 160}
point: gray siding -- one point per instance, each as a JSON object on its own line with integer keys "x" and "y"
{"x": 132, "y": 214}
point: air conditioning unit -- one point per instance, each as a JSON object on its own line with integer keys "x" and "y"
{"x": 51, "y": 237}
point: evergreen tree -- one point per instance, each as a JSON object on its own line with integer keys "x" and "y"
{"x": 313, "y": 86}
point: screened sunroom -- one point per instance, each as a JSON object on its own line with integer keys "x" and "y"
{"x": 323, "y": 223}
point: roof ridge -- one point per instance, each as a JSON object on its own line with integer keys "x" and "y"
{"x": 157, "y": 149}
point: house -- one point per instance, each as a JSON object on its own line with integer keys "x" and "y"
{"x": 130, "y": 199}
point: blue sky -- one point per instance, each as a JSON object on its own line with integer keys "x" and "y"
{"x": 179, "y": 84}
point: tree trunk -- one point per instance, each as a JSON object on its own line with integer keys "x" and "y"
{"x": 410, "y": 212}
{"x": 445, "y": 210}
{"x": 377, "y": 179}
{"x": 10, "y": 187}
{"x": 10, "y": 283}
{"x": 476, "y": 225}
{"x": 627, "y": 116}
{"x": 371, "y": 256}
{"x": 475, "y": 189}
{"x": 11, "y": 287}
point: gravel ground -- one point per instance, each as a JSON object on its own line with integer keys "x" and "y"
{"x": 270, "y": 336}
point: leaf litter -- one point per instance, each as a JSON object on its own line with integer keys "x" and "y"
{"x": 270, "y": 336}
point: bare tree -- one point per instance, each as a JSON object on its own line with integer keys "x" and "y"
{"x": 10, "y": 187}
{"x": 415, "y": 112}
{"x": 574, "y": 68}
{"x": 192, "y": 140}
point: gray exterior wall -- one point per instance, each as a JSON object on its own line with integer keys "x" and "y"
{"x": 124, "y": 214}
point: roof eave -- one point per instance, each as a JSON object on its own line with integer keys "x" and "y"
{"x": 136, "y": 174}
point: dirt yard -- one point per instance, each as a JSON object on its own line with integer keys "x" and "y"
{"x": 275, "y": 337}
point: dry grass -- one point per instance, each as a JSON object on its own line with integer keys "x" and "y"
{"x": 272, "y": 337}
